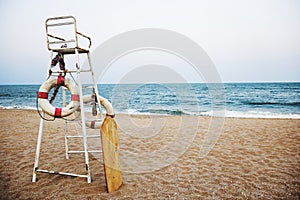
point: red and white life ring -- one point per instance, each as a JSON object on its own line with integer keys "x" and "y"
{"x": 51, "y": 110}
{"x": 104, "y": 102}
{"x": 95, "y": 124}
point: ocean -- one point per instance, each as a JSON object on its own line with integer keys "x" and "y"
{"x": 251, "y": 100}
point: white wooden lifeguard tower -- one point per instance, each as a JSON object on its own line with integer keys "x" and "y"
{"x": 64, "y": 40}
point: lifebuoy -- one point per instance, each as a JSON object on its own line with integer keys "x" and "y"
{"x": 51, "y": 110}
{"x": 106, "y": 104}
{"x": 95, "y": 124}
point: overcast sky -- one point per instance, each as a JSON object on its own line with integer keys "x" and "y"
{"x": 248, "y": 40}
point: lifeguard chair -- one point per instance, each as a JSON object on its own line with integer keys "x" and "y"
{"x": 64, "y": 39}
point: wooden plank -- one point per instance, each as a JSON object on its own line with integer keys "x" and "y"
{"x": 111, "y": 155}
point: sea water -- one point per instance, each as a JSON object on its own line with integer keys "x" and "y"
{"x": 254, "y": 100}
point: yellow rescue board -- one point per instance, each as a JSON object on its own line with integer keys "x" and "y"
{"x": 111, "y": 155}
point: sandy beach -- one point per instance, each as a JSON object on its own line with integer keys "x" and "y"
{"x": 252, "y": 159}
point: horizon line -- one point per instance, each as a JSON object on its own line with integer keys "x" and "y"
{"x": 167, "y": 82}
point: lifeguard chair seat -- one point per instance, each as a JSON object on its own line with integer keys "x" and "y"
{"x": 63, "y": 37}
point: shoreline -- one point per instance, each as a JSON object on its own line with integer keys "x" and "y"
{"x": 252, "y": 158}
{"x": 166, "y": 115}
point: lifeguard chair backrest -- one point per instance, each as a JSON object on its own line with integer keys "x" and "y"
{"x": 62, "y": 34}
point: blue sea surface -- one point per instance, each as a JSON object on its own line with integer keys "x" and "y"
{"x": 254, "y": 100}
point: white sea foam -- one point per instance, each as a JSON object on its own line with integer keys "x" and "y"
{"x": 226, "y": 113}
{"x": 250, "y": 114}
{"x": 18, "y": 107}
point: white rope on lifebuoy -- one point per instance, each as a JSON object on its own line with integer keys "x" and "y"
{"x": 51, "y": 110}
{"x": 106, "y": 104}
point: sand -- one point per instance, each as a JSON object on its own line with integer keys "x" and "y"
{"x": 252, "y": 159}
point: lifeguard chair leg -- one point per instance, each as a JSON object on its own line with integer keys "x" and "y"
{"x": 86, "y": 154}
{"x": 38, "y": 148}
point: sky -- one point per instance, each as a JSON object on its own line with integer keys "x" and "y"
{"x": 248, "y": 40}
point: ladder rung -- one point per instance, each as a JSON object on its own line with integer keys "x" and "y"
{"x": 70, "y": 71}
{"x": 85, "y": 70}
{"x": 96, "y": 120}
{"x": 88, "y": 87}
{"x": 73, "y": 121}
{"x": 91, "y": 151}
{"x": 61, "y": 173}
{"x": 61, "y": 42}
{"x": 80, "y": 136}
